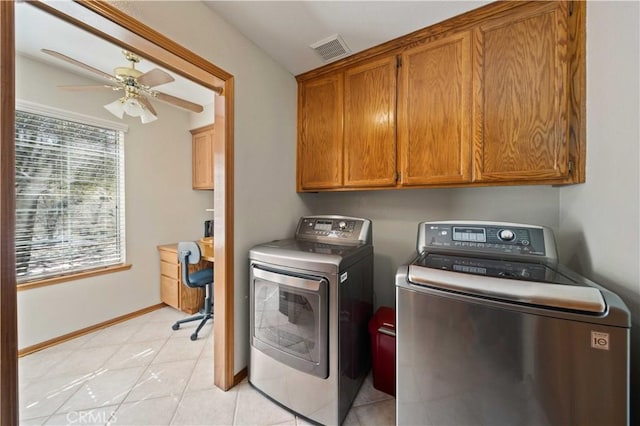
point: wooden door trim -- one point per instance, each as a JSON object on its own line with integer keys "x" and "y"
{"x": 8, "y": 291}
{"x": 223, "y": 295}
{"x": 110, "y": 23}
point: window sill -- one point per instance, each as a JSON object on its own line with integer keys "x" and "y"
{"x": 71, "y": 277}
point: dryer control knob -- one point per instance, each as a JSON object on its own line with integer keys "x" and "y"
{"x": 342, "y": 225}
{"x": 506, "y": 235}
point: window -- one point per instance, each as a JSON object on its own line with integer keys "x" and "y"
{"x": 69, "y": 194}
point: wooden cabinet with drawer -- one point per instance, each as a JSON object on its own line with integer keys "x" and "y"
{"x": 172, "y": 291}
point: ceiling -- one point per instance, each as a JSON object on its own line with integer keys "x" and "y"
{"x": 283, "y": 29}
{"x": 286, "y": 29}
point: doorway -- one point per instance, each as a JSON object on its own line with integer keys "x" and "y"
{"x": 110, "y": 23}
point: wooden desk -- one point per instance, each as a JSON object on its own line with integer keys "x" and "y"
{"x": 206, "y": 248}
{"x": 172, "y": 291}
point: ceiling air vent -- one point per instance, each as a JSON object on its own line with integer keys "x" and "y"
{"x": 331, "y": 48}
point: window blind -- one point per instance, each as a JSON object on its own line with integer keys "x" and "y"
{"x": 69, "y": 196}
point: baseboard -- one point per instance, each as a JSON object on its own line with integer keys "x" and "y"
{"x": 238, "y": 378}
{"x": 57, "y": 340}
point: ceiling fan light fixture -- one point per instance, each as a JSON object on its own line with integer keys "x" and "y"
{"x": 130, "y": 106}
{"x": 116, "y": 108}
{"x": 147, "y": 117}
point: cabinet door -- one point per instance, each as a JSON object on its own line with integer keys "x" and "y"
{"x": 521, "y": 86}
{"x": 434, "y": 112}
{"x": 202, "y": 156}
{"x": 320, "y": 133}
{"x": 369, "y": 124}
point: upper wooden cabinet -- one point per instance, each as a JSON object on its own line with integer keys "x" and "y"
{"x": 202, "y": 157}
{"x": 491, "y": 97}
{"x": 346, "y": 127}
{"x": 521, "y": 76}
{"x": 434, "y": 112}
{"x": 320, "y": 158}
{"x": 369, "y": 124}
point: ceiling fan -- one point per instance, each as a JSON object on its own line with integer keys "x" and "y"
{"x": 136, "y": 85}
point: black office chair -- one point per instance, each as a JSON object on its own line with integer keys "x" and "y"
{"x": 189, "y": 253}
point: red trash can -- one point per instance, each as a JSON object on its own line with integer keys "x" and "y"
{"x": 382, "y": 328}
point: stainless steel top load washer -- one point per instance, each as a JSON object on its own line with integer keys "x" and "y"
{"x": 492, "y": 330}
{"x": 311, "y": 298}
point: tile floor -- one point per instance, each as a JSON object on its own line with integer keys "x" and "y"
{"x": 140, "y": 372}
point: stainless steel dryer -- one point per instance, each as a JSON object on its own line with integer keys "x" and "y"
{"x": 492, "y": 330}
{"x": 311, "y": 298}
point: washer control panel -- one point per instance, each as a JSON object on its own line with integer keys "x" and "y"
{"x": 470, "y": 234}
{"x": 498, "y": 238}
{"x": 342, "y": 228}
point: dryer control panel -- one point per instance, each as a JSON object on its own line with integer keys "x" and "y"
{"x": 334, "y": 229}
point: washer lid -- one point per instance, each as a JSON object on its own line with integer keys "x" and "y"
{"x": 518, "y": 282}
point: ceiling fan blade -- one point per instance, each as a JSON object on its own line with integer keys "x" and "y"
{"x": 145, "y": 102}
{"x": 100, "y": 86}
{"x": 79, "y": 64}
{"x": 155, "y": 77}
{"x": 178, "y": 102}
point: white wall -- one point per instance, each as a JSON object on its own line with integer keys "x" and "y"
{"x": 600, "y": 220}
{"x": 160, "y": 208}
{"x": 266, "y": 205}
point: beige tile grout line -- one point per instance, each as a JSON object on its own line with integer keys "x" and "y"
{"x": 184, "y": 391}
{"x": 137, "y": 380}
{"x": 235, "y": 408}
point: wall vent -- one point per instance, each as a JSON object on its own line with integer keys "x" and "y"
{"x": 331, "y": 48}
